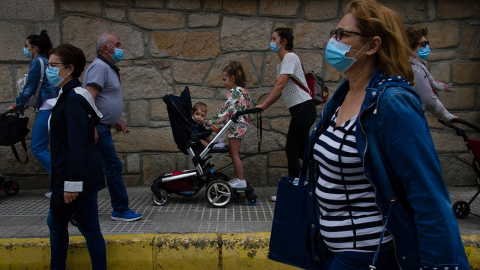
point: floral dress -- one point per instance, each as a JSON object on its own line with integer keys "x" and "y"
{"x": 238, "y": 99}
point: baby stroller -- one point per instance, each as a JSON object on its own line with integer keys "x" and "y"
{"x": 462, "y": 208}
{"x": 189, "y": 182}
{"x": 8, "y": 187}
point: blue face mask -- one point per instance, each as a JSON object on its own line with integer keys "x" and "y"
{"x": 273, "y": 47}
{"x": 335, "y": 54}
{"x": 52, "y": 76}
{"x": 423, "y": 52}
{"x": 118, "y": 55}
{"x": 27, "y": 53}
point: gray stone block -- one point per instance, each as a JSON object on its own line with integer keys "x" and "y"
{"x": 248, "y": 34}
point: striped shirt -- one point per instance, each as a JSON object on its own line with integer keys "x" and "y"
{"x": 349, "y": 217}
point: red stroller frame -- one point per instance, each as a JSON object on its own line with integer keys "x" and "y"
{"x": 462, "y": 208}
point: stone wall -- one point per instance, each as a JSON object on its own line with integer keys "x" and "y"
{"x": 172, "y": 44}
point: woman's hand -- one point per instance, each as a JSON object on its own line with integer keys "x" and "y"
{"x": 447, "y": 87}
{"x": 262, "y": 107}
{"x": 13, "y": 108}
{"x": 69, "y": 197}
{"x": 450, "y": 122}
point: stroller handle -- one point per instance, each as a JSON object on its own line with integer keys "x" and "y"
{"x": 459, "y": 121}
{"x": 6, "y": 112}
{"x": 247, "y": 111}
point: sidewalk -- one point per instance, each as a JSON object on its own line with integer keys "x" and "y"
{"x": 188, "y": 220}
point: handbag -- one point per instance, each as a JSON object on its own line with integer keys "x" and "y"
{"x": 295, "y": 237}
{"x": 32, "y": 101}
{"x": 13, "y": 129}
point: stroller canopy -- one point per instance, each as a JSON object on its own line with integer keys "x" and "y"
{"x": 180, "y": 114}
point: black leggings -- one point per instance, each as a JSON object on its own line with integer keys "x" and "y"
{"x": 303, "y": 117}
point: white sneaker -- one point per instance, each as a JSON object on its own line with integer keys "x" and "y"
{"x": 232, "y": 180}
{"x": 273, "y": 198}
{"x": 237, "y": 183}
{"x": 48, "y": 194}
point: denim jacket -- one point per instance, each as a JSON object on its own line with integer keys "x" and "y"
{"x": 47, "y": 91}
{"x": 399, "y": 159}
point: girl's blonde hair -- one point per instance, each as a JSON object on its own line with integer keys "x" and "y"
{"x": 236, "y": 69}
{"x": 374, "y": 19}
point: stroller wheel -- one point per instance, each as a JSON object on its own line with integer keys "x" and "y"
{"x": 218, "y": 193}
{"x": 461, "y": 209}
{"x": 235, "y": 197}
{"x": 10, "y": 187}
{"x": 252, "y": 199}
{"x": 160, "y": 197}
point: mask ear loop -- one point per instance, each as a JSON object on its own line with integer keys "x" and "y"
{"x": 360, "y": 51}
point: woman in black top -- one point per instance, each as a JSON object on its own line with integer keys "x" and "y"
{"x": 77, "y": 173}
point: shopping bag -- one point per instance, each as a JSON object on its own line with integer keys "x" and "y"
{"x": 295, "y": 232}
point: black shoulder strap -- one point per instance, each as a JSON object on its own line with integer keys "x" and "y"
{"x": 14, "y": 150}
{"x": 259, "y": 130}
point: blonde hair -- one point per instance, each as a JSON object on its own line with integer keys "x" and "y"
{"x": 236, "y": 69}
{"x": 374, "y": 19}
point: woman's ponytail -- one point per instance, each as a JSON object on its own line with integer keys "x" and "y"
{"x": 42, "y": 42}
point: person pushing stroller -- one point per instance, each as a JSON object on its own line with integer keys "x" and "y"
{"x": 238, "y": 98}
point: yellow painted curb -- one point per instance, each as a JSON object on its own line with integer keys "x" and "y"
{"x": 168, "y": 251}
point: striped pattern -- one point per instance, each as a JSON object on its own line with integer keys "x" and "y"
{"x": 350, "y": 219}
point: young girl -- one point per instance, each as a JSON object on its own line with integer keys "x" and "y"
{"x": 238, "y": 99}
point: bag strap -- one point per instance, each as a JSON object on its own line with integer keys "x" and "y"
{"x": 15, "y": 153}
{"x": 259, "y": 130}
{"x": 42, "y": 67}
{"x": 299, "y": 84}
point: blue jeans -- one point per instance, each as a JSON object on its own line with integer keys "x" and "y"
{"x": 113, "y": 170}
{"x": 349, "y": 260}
{"x": 39, "y": 141}
{"x": 88, "y": 224}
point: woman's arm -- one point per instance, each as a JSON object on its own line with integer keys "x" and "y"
{"x": 411, "y": 153}
{"x": 34, "y": 74}
{"x": 430, "y": 101}
{"x": 276, "y": 92}
{"x": 77, "y": 137}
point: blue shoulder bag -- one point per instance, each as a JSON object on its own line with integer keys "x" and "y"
{"x": 295, "y": 238}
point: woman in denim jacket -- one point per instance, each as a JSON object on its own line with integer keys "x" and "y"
{"x": 36, "y": 48}
{"x": 381, "y": 198}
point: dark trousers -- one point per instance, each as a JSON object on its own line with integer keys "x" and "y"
{"x": 303, "y": 117}
{"x": 87, "y": 208}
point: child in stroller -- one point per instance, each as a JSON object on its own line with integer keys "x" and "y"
{"x": 199, "y": 111}
{"x": 189, "y": 182}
